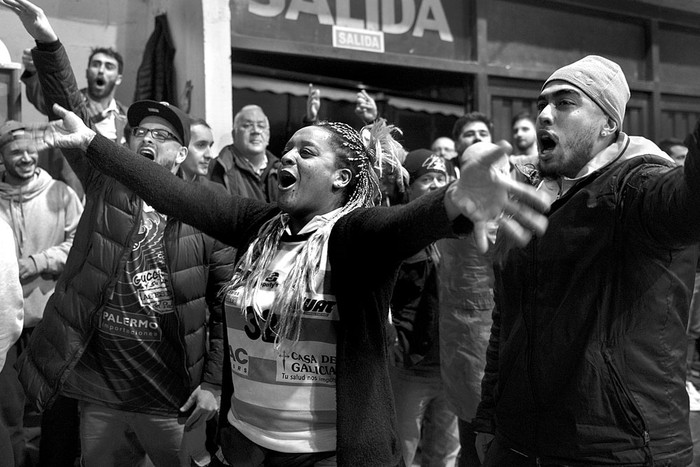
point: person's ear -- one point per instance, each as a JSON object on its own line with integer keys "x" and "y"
{"x": 341, "y": 178}
{"x": 181, "y": 155}
{"x": 118, "y": 81}
{"x": 610, "y": 128}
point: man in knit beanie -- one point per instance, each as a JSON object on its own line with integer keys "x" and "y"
{"x": 585, "y": 365}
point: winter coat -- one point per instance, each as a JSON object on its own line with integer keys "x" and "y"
{"x": 198, "y": 267}
{"x": 365, "y": 249}
{"x": 586, "y": 363}
{"x": 231, "y": 170}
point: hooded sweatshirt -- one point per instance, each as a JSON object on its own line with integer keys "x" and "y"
{"x": 43, "y": 215}
{"x": 11, "y": 312}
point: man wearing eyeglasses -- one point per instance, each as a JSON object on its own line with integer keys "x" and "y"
{"x": 133, "y": 331}
{"x": 246, "y": 168}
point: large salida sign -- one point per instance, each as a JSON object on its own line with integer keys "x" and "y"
{"x": 430, "y": 28}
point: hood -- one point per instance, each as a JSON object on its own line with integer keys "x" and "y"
{"x": 24, "y": 192}
{"x": 17, "y": 195}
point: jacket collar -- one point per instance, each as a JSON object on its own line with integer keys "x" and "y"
{"x": 624, "y": 148}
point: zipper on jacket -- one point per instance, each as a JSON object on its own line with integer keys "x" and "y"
{"x": 646, "y": 438}
{"x": 180, "y": 331}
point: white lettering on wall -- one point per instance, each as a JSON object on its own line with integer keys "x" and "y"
{"x": 267, "y": 9}
{"x": 319, "y": 8}
{"x": 408, "y": 14}
{"x": 438, "y": 22}
{"x": 429, "y": 16}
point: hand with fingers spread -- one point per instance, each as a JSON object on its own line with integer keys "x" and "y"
{"x": 69, "y": 132}
{"x": 33, "y": 18}
{"x": 366, "y": 107}
{"x": 485, "y": 193}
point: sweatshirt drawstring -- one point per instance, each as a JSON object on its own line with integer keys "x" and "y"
{"x": 18, "y": 225}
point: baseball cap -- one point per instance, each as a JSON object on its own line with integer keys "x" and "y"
{"x": 421, "y": 161}
{"x": 171, "y": 114}
{"x": 11, "y": 130}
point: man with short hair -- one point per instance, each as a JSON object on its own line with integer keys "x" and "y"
{"x": 466, "y": 302}
{"x": 524, "y": 135}
{"x": 471, "y": 128}
{"x": 586, "y": 363}
{"x": 246, "y": 168}
{"x": 44, "y": 215}
{"x": 135, "y": 333}
{"x": 444, "y": 147}
{"x": 104, "y": 74}
{"x": 423, "y": 415}
{"x": 196, "y": 165}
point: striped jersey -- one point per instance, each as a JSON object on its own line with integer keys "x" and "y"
{"x": 284, "y": 398}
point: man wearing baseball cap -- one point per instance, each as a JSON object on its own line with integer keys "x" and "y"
{"x": 422, "y": 413}
{"x": 135, "y": 333}
{"x": 43, "y": 214}
{"x": 586, "y": 364}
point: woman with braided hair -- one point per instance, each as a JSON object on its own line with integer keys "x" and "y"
{"x": 306, "y": 379}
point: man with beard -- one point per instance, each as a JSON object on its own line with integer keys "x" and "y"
{"x": 103, "y": 74}
{"x": 134, "y": 331}
{"x": 524, "y": 135}
{"x": 586, "y": 362}
{"x": 465, "y": 304}
{"x": 43, "y": 214}
{"x": 246, "y": 168}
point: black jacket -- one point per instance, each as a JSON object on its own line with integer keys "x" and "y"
{"x": 586, "y": 364}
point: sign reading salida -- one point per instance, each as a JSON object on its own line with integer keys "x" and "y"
{"x": 358, "y": 39}
{"x": 363, "y": 31}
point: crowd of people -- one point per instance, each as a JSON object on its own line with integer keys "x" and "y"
{"x": 348, "y": 301}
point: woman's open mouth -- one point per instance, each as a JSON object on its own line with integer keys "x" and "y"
{"x": 286, "y": 180}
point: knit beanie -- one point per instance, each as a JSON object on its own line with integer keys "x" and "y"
{"x": 421, "y": 161}
{"x": 600, "y": 79}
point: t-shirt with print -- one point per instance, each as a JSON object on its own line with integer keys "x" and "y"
{"x": 284, "y": 398}
{"x": 132, "y": 361}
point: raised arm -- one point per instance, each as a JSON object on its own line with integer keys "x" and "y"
{"x": 666, "y": 202}
{"x": 54, "y": 74}
{"x": 207, "y": 207}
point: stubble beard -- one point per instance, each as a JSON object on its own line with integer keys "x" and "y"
{"x": 576, "y": 156}
{"x": 96, "y": 94}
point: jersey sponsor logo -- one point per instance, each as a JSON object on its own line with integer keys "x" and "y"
{"x": 306, "y": 367}
{"x": 130, "y": 326}
{"x": 312, "y": 306}
{"x": 252, "y": 327}
{"x": 151, "y": 287}
{"x": 270, "y": 281}
{"x": 239, "y": 360}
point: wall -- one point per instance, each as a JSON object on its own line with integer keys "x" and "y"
{"x": 200, "y": 30}
{"x": 81, "y": 24}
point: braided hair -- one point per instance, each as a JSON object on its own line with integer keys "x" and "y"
{"x": 363, "y": 191}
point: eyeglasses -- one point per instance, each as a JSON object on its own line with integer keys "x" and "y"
{"x": 158, "y": 135}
